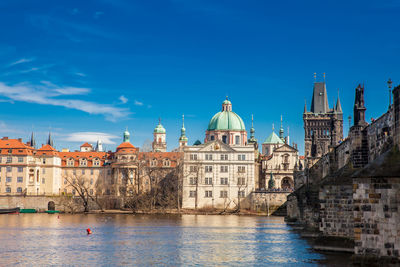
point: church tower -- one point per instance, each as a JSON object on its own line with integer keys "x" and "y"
{"x": 323, "y": 126}
{"x": 159, "y": 142}
{"x": 183, "y": 139}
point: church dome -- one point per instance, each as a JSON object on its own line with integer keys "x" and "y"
{"x": 226, "y": 119}
{"x": 159, "y": 128}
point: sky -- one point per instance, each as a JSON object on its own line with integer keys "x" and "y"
{"x": 86, "y": 70}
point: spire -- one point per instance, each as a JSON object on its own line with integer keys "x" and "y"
{"x": 273, "y": 127}
{"x": 99, "y": 146}
{"x": 319, "y": 103}
{"x": 32, "y": 142}
{"x": 305, "y": 106}
{"x": 183, "y": 137}
{"x": 126, "y": 136}
{"x": 281, "y": 132}
{"x": 50, "y": 140}
{"x": 338, "y": 105}
{"x": 252, "y": 131}
{"x": 389, "y": 82}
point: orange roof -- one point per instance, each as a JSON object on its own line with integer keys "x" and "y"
{"x": 161, "y": 156}
{"x": 86, "y": 145}
{"x": 126, "y": 147}
{"x": 89, "y": 156}
{"x": 47, "y": 150}
{"x": 14, "y": 146}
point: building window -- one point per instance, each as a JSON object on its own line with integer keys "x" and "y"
{"x": 193, "y": 168}
{"x": 241, "y": 194}
{"x": 224, "y": 168}
{"x": 73, "y": 192}
{"x": 241, "y": 157}
{"x": 20, "y": 169}
{"x": 83, "y": 171}
{"x": 91, "y": 191}
{"x": 74, "y": 172}
{"x": 209, "y": 156}
{"x": 8, "y": 189}
{"x": 44, "y": 161}
{"x": 108, "y": 172}
{"x": 9, "y": 160}
{"x": 224, "y": 157}
{"x": 224, "y": 181}
{"x": 20, "y": 179}
{"x": 192, "y": 194}
{"x": 91, "y": 181}
{"x": 19, "y": 189}
{"x": 71, "y": 162}
{"x": 9, "y": 169}
{"x": 223, "y": 194}
{"x": 224, "y": 139}
{"x": 208, "y": 181}
{"x": 208, "y": 168}
{"x": 241, "y": 169}
{"x": 20, "y": 159}
{"x": 83, "y": 162}
{"x": 192, "y": 180}
{"x": 91, "y": 171}
{"x": 208, "y": 193}
{"x": 43, "y": 180}
{"x": 43, "y": 170}
{"x": 167, "y": 163}
{"x": 193, "y": 156}
{"x": 65, "y": 181}
{"x": 241, "y": 181}
{"x": 212, "y": 138}
{"x": 237, "y": 139}
{"x": 8, "y": 179}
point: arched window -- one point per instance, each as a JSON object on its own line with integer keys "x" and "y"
{"x": 153, "y": 163}
{"x": 70, "y": 162}
{"x": 167, "y": 162}
{"x": 224, "y": 139}
{"x": 287, "y": 183}
{"x": 83, "y": 162}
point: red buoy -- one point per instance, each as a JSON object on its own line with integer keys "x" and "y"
{"x": 88, "y": 231}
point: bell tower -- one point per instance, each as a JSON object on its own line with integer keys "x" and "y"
{"x": 159, "y": 140}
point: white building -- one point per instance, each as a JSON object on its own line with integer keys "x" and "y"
{"x": 219, "y": 173}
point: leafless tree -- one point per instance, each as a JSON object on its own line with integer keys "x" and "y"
{"x": 82, "y": 187}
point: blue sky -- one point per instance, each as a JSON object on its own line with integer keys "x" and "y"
{"x": 92, "y": 68}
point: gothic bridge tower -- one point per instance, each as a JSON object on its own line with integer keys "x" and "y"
{"x": 323, "y": 126}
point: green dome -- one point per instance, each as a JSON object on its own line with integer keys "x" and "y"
{"x": 159, "y": 129}
{"x": 226, "y": 120}
{"x": 227, "y": 102}
{"x": 273, "y": 139}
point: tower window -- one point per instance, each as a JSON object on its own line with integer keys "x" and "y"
{"x": 224, "y": 139}
{"x": 237, "y": 139}
{"x": 212, "y": 137}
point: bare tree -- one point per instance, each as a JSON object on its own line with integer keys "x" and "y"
{"x": 242, "y": 185}
{"x": 81, "y": 185}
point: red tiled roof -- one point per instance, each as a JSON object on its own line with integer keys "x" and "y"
{"x": 16, "y": 146}
{"x": 89, "y": 156}
{"x": 86, "y": 145}
{"x": 126, "y": 147}
{"x": 47, "y": 150}
{"x": 160, "y": 157}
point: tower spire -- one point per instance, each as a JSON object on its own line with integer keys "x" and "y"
{"x": 389, "y": 82}
{"x": 126, "y": 135}
{"x": 305, "y": 106}
{"x": 338, "y": 105}
{"x": 32, "y": 142}
{"x": 281, "y": 131}
{"x": 50, "y": 140}
{"x": 252, "y": 139}
{"x": 183, "y": 139}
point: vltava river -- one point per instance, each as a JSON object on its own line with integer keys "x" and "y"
{"x": 145, "y": 240}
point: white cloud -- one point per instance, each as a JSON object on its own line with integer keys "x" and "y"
{"x": 80, "y": 74}
{"x": 123, "y": 99}
{"x": 22, "y": 60}
{"x": 97, "y": 14}
{"x": 4, "y": 128}
{"x": 91, "y": 137}
{"x": 46, "y": 95}
{"x": 138, "y": 103}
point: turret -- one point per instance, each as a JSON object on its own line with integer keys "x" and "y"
{"x": 126, "y": 136}
{"x": 183, "y": 139}
{"x": 159, "y": 142}
{"x": 50, "y": 140}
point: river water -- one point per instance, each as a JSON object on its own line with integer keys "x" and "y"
{"x": 146, "y": 240}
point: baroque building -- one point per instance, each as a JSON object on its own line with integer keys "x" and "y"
{"x": 219, "y": 173}
{"x": 323, "y": 126}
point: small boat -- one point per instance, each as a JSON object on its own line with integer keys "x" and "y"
{"x": 9, "y": 211}
{"x": 27, "y": 211}
{"x": 52, "y": 211}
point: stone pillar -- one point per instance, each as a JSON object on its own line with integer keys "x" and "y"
{"x": 396, "y": 111}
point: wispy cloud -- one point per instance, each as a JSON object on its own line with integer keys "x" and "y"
{"x": 80, "y": 74}
{"x": 138, "y": 103}
{"x": 43, "y": 69}
{"x": 91, "y": 137}
{"x": 20, "y": 61}
{"x": 4, "y": 128}
{"x": 47, "y": 94}
{"x": 123, "y": 99}
{"x": 97, "y": 14}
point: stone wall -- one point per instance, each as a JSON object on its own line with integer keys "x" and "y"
{"x": 265, "y": 201}
{"x": 336, "y": 210}
{"x": 380, "y": 135}
{"x": 39, "y": 203}
{"x": 376, "y": 216}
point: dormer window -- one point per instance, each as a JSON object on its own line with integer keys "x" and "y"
{"x": 70, "y": 162}
{"x": 96, "y": 162}
{"x": 153, "y": 163}
{"x": 83, "y": 162}
{"x": 167, "y": 163}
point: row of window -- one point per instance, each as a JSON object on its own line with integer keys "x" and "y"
{"x": 20, "y": 180}
{"x": 9, "y": 169}
{"x": 82, "y": 172}
{"x": 223, "y": 181}
{"x": 10, "y": 159}
{"x": 222, "y": 157}
{"x": 223, "y": 168}
{"x": 82, "y": 162}
{"x": 8, "y": 189}
{"x": 74, "y": 181}
{"x": 222, "y": 194}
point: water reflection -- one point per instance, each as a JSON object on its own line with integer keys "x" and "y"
{"x": 170, "y": 240}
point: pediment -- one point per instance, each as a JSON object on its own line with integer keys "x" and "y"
{"x": 285, "y": 148}
{"x": 217, "y": 146}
